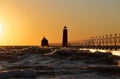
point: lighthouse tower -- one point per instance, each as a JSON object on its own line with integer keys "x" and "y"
{"x": 65, "y": 37}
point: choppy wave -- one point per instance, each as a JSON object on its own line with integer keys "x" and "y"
{"x": 50, "y": 63}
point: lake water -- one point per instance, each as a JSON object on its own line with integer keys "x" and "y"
{"x": 50, "y": 63}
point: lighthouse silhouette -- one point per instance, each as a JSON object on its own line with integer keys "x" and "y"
{"x": 65, "y": 37}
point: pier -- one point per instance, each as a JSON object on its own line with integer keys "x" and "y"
{"x": 108, "y": 42}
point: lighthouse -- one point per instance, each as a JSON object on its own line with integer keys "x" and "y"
{"x": 44, "y": 42}
{"x": 65, "y": 37}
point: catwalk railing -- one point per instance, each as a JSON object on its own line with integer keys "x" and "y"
{"x": 111, "y": 41}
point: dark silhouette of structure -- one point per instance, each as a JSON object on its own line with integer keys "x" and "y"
{"x": 65, "y": 37}
{"x": 44, "y": 42}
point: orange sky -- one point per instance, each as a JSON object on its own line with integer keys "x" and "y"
{"x": 25, "y": 22}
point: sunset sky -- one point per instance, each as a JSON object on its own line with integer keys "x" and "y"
{"x": 25, "y": 22}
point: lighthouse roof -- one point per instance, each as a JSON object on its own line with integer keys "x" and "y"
{"x": 65, "y": 27}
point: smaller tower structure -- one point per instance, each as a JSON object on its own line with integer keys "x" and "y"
{"x": 44, "y": 42}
